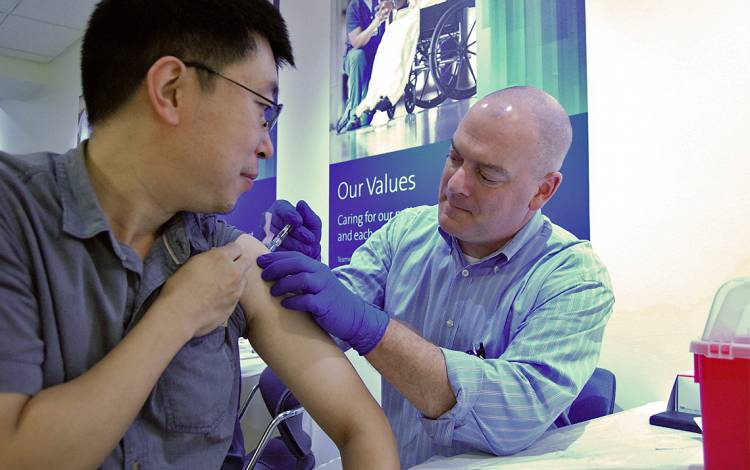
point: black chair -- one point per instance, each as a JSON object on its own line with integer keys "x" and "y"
{"x": 597, "y": 398}
{"x": 292, "y": 450}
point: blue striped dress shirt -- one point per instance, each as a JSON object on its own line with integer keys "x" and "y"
{"x": 538, "y": 306}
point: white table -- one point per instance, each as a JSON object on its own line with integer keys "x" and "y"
{"x": 622, "y": 440}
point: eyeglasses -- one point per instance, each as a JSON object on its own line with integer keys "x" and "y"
{"x": 271, "y": 113}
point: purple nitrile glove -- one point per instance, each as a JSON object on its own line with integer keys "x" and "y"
{"x": 306, "y": 227}
{"x": 315, "y": 289}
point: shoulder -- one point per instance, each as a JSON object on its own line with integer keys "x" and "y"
{"x": 565, "y": 255}
{"x": 417, "y": 216}
{"x": 414, "y": 227}
{"x": 28, "y": 183}
{"x": 409, "y": 223}
{"x": 21, "y": 168}
{"x": 210, "y": 230}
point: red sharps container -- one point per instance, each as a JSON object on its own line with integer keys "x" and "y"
{"x": 722, "y": 367}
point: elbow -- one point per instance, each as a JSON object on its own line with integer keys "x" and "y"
{"x": 437, "y": 404}
{"x": 437, "y": 408}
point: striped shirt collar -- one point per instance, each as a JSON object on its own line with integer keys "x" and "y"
{"x": 507, "y": 251}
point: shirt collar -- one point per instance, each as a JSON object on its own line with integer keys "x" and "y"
{"x": 82, "y": 215}
{"x": 509, "y": 249}
{"x": 84, "y": 218}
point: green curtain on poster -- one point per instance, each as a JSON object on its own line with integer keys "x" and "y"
{"x": 533, "y": 42}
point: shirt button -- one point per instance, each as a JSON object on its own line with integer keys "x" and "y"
{"x": 465, "y": 273}
{"x": 449, "y": 323}
{"x": 496, "y": 269}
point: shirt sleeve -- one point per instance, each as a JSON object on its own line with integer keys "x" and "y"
{"x": 21, "y": 345}
{"x": 354, "y": 18}
{"x": 504, "y": 404}
{"x": 221, "y": 233}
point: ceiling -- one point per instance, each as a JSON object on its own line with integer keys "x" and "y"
{"x": 40, "y": 30}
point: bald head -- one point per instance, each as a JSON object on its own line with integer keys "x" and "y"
{"x": 531, "y": 115}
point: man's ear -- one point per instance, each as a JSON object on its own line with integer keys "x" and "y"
{"x": 165, "y": 84}
{"x": 546, "y": 189}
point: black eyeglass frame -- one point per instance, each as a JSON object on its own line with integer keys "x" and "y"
{"x": 274, "y": 106}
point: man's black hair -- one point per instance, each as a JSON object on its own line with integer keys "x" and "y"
{"x": 125, "y": 37}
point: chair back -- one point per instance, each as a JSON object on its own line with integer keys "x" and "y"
{"x": 291, "y": 451}
{"x": 279, "y": 399}
{"x": 596, "y": 399}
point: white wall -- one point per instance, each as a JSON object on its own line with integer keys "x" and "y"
{"x": 47, "y": 121}
{"x": 669, "y": 116}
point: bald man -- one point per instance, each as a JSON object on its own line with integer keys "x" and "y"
{"x": 484, "y": 318}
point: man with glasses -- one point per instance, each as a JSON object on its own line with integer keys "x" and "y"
{"x": 272, "y": 109}
{"x": 122, "y": 299}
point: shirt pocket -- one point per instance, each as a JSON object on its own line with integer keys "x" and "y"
{"x": 195, "y": 390}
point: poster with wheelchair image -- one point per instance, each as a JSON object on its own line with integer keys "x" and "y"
{"x": 430, "y": 61}
{"x": 402, "y": 73}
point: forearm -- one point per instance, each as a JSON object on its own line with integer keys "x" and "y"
{"x": 415, "y": 367}
{"x": 77, "y": 424}
{"x": 371, "y": 445}
{"x": 321, "y": 377}
{"x": 361, "y": 39}
{"x": 503, "y": 405}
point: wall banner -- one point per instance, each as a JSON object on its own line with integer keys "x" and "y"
{"x": 397, "y": 99}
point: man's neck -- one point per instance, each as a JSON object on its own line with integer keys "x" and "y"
{"x": 131, "y": 205}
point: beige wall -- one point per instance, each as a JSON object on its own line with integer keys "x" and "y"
{"x": 669, "y": 116}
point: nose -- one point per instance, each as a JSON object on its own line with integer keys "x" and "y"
{"x": 265, "y": 147}
{"x": 458, "y": 183}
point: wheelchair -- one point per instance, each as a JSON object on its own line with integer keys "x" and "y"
{"x": 442, "y": 66}
{"x": 444, "y": 60}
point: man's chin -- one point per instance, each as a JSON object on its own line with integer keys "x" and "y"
{"x": 449, "y": 224}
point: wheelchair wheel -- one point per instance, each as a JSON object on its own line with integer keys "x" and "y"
{"x": 452, "y": 51}
{"x": 390, "y": 110}
{"x": 409, "y": 98}
{"x": 426, "y": 93}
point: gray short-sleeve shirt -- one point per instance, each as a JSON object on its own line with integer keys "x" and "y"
{"x": 70, "y": 292}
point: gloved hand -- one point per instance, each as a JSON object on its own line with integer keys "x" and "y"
{"x": 306, "y": 227}
{"x": 315, "y": 289}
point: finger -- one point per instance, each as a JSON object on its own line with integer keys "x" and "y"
{"x": 292, "y": 244}
{"x": 303, "y": 283}
{"x": 285, "y": 267}
{"x": 231, "y": 250}
{"x": 244, "y": 261}
{"x": 267, "y": 258}
{"x": 301, "y": 303}
{"x": 284, "y": 213}
{"x": 310, "y": 219}
{"x": 302, "y": 234}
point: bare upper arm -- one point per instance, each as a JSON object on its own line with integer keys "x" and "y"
{"x": 301, "y": 354}
{"x": 11, "y": 406}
